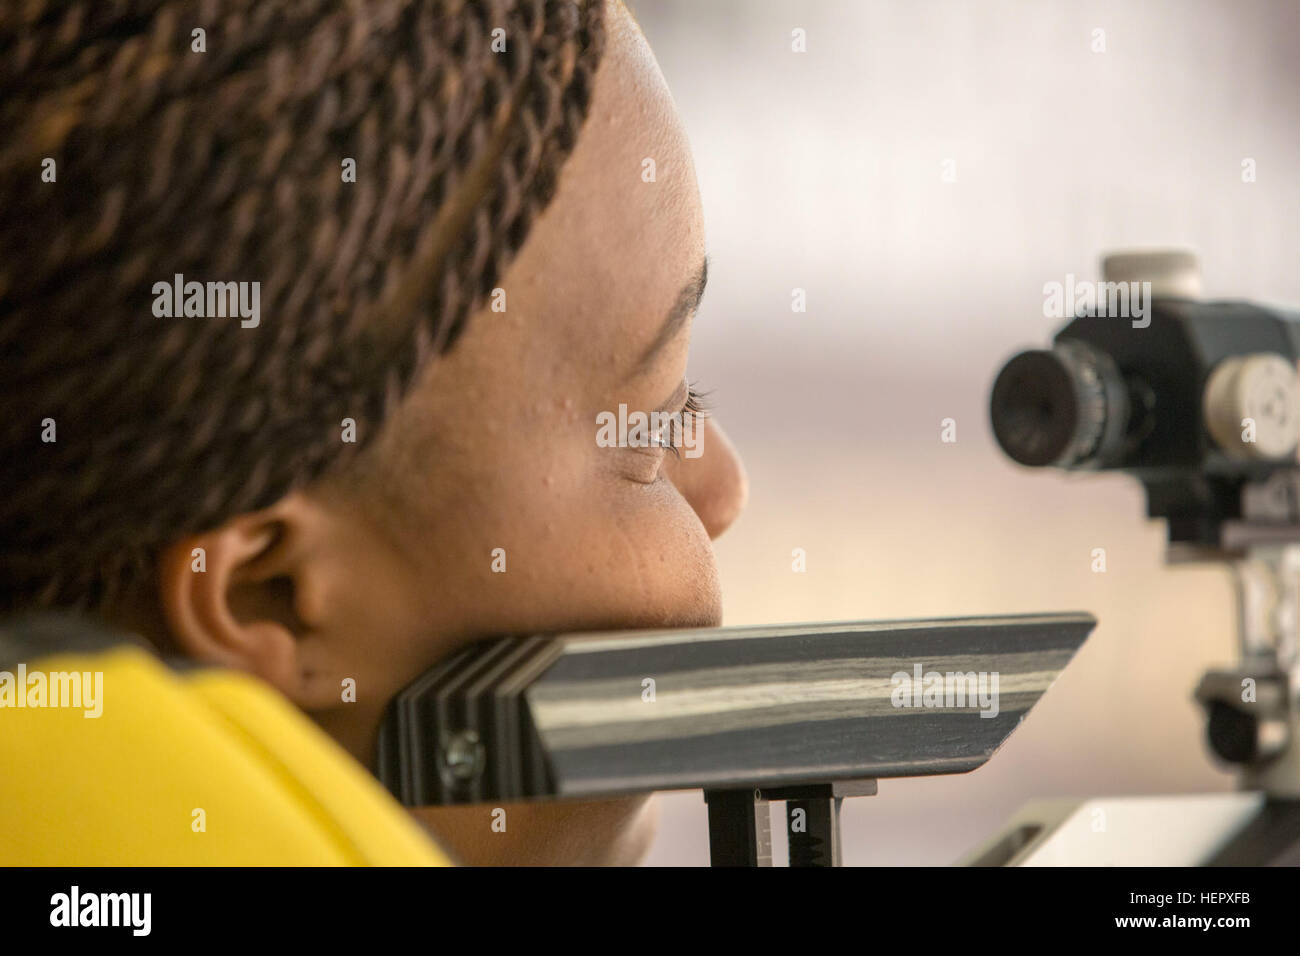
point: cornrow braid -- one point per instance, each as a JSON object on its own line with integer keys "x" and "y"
{"x": 225, "y": 165}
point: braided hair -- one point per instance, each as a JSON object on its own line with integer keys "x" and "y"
{"x": 226, "y": 165}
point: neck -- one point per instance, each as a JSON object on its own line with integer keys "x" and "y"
{"x": 355, "y": 728}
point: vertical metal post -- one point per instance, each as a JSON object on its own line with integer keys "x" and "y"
{"x": 740, "y": 828}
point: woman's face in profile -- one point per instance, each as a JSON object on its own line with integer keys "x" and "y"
{"x": 498, "y": 446}
{"x": 499, "y": 510}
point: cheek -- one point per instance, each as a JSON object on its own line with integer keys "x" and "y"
{"x": 594, "y": 552}
{"x": 660, "y": 557}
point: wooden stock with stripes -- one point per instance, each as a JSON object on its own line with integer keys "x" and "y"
{"x": 729, "y": 708}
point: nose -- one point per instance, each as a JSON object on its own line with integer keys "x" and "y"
{"x": 714, "y": 482}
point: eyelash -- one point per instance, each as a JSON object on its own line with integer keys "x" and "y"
{"x": 697, "y": 402}
{"x": 697, "y": 405}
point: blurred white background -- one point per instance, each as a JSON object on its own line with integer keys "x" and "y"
{"x": 822, "y": 171}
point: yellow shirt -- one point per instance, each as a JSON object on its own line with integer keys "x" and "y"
{"x": 200, "y": 767}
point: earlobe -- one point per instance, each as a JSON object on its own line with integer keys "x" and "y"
{"x": 223, "y": 597}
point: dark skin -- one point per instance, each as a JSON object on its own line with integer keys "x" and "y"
{"x": 496, "y": 448}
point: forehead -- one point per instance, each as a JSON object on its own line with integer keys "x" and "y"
{"x": 604, "y": 263}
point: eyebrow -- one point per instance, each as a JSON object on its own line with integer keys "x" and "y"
{"x": 688, "y": 300}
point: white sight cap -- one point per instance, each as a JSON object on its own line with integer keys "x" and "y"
{"x": 1262, "y": 388}
{"x": 1173, "y": 273}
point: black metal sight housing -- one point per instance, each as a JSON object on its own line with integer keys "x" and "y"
{"x": 1200, "y": 403}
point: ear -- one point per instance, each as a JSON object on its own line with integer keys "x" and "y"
{"x": 238, "y": 596}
